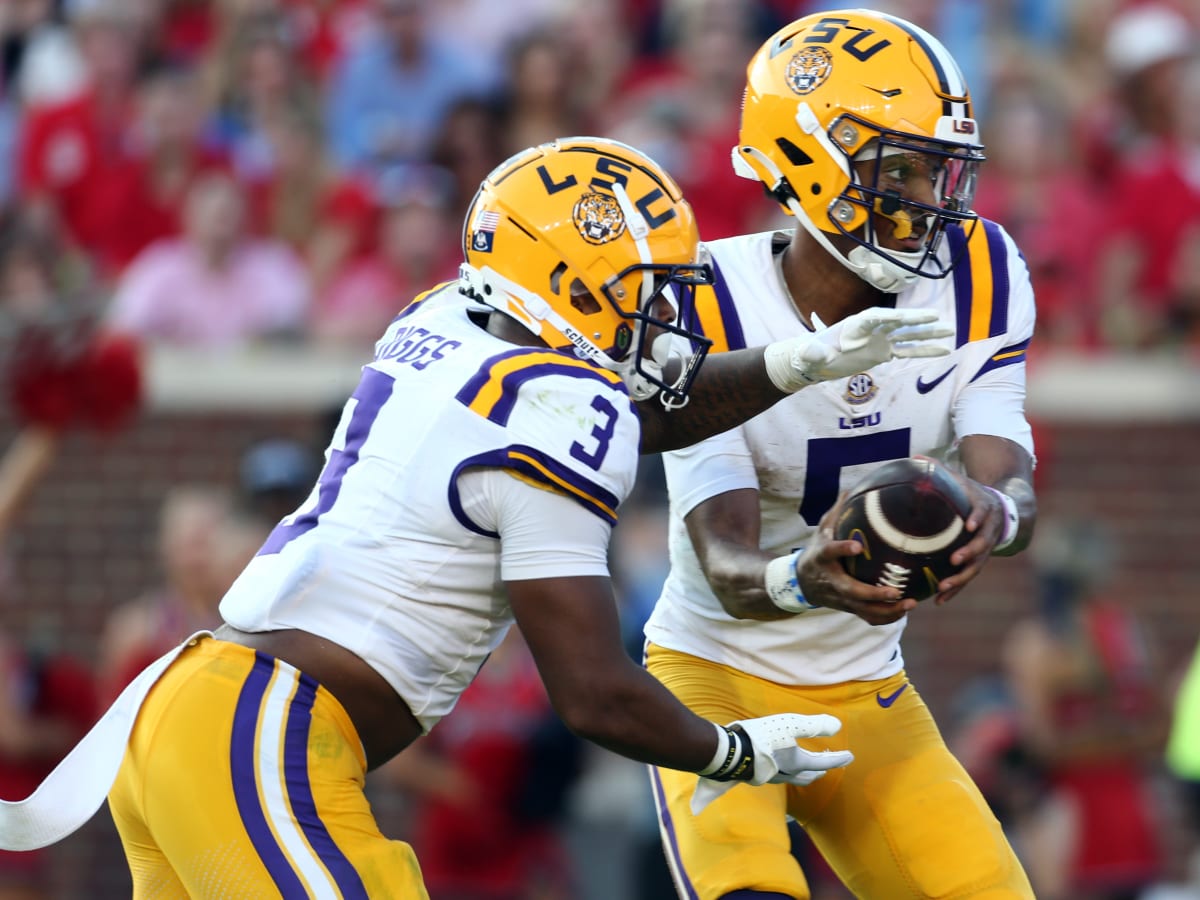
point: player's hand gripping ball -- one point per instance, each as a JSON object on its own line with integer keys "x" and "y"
{"x": 910, "y": 516}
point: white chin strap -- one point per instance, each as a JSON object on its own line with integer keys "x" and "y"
{"x": 640, "y": 387}
{"x": 874, "y": 268}
{"x": 655, "y": 363}
{"x": 531, "y": 311}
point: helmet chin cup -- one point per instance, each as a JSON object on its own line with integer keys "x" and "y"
{"x": 641, "y": 387}
{"x": 645, "y": 374}
{"x": 880, "y": 272}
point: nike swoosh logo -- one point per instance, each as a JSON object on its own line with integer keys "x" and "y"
{"x": 924, "y": 387}
{"x": 887, "y": 701}
{"x": 888, "y": 94}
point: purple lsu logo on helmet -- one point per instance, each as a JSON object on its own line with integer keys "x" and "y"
{"x": 808, "y": 69}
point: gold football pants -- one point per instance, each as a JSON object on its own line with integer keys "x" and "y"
{"x": 244, "y": 778}
{"x": 904, "y": 820}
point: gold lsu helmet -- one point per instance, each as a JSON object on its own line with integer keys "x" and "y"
{"x": 846, "y": 86}
{"x": 590, "y": 245}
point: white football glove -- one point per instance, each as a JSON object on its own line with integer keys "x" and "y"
{"x": 770, "y": 744}
{"x": 853, "y": 345}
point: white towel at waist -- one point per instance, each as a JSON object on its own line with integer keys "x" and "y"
{"x": 71, "y": 794}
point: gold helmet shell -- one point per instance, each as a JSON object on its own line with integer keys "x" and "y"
{"x": 840, "y": 88}
{"x": 590, "y": 245}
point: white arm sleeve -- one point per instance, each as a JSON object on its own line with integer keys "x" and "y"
{"x": 995, "y": 405}
{"x": 714, "y": 466}
{"x": 543, "y": 534}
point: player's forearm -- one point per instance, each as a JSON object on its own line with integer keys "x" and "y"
{"x": 725, "y": 531}
{"x": 634, "y": 715}
{"x": 729, "y": 389}
{"x": 739, "y": 581}
{"x": 735, "y": 386}
{"x": 1006, "y": 467}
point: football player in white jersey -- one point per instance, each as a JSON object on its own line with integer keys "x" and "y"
{"x": 473, "y": 480}
{"x": 860, "y": 126}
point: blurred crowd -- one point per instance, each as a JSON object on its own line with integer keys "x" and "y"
{"x": 212, "y": 172}
{"x": 216, "y": 173}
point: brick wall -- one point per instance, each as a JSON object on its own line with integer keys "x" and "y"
{"x": 85, "y": 543}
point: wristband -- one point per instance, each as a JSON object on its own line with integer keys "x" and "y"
{"x": 783, "y": 584}
{"x": 734, "y": 753}
{"x": 1012, "y": 519}
{"x": 782, "y": 369}
{"x": 726, "y": 750}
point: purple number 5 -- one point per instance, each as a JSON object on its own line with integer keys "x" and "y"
{"x": 828, "y": 456}
{"x": 368, "y": 398}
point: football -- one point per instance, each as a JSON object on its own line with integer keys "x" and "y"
{"x": 910, "y": 516}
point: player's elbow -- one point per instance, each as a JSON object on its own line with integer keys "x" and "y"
{"x": 599, "y": 712}
{"x": 735, "y": 602}
{"x": 592, "y": 717}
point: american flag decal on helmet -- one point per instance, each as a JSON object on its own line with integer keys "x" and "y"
{"x": 486, "y": 223}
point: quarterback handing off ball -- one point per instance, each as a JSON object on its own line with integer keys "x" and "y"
{"x": 910, "y": 516}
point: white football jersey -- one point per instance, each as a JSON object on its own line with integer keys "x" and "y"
{"x": 384, "y": 557}
{"x": 822, "y": 440}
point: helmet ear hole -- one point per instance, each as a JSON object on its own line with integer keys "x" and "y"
{"x": 792, "y": 153}
{"x": 582, "y": 299}
{"x": 556, "y": 277}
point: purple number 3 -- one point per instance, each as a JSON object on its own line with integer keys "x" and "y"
{"x": 602, "y": 433}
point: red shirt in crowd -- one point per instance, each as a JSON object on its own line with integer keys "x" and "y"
{"x": 107, "y": 194}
